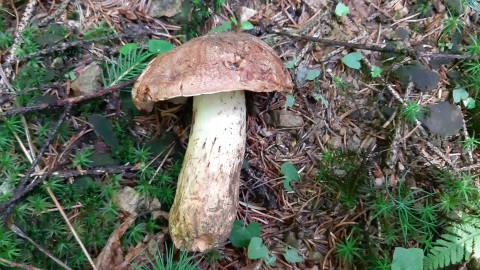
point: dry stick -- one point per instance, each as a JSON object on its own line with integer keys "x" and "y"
{"x": 79, "y": 241}
{"x": 385, "y": 49}
{"x": 467, "y": 137}
{"x": 57, "y": 12}
{"x": 94, "y": 171}
{"x": 30, "y": 157}
{"x": 65, "y": 45}
{"x": 23, "y": 188}
{"x": 11, "y": 95}
{"x": 72, "y": 100}
{"x": 17, "y": 42}
{"x": 20, "y": 265}
{"x": 19, "y": 232}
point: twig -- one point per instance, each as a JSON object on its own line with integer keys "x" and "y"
{"x": 422, "y": 130}
{"x": 475, "y": 166}
{"x": 72, "y": 100}
{"x": 18, "y": 40}
{"x": 19, "y": 233}
{"x": 22, "y": 187}
{"x": 11, "y": 95}
{"x": 329, "y": 42}
{"x": 467, "y": 137}
{"x": 94, "y": 171}
{"x": 66, "y": 45}
{"x": 57, "y": 12}
{"x": 20, "y": 265}
{"x": 79, "y": 241}
{"x": 369, "y": 47}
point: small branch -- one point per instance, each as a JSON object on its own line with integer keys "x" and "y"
{"x": 10, "y": 96}
{"x": 18, "y": 41}
{"x": 22, "y": 187}
{"x": 371, "y": 47}
{"x": 69, "y": 224}
{"x": 72, "y": 100}
{"x": 94, "y": 171}
{"x": 329, "y": 42}
{"x": 19, "y": 233}
{"x": 20, "y": 265}
{"x": 57, "y": 12}
{"x": 65, "y": 45}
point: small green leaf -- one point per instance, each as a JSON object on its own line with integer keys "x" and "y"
{"x": 226, "y": 26}
{"x": 246, "y": 25}
{"x": 104, "y": 129}
{"x": 469, "y": 103}
{"x": 291, "y": 255}
{"x": 291, "y": 64}
{"x": 256, "y": 250}
{"x": 240, "y": 236}
{"x": 234, "y": 20}
{"x": 352, "y": 60}
{"x": 158, "y": 46}
{"x": 459, "y": 94}
{"x": 290, "y": 174}
{"x": 128, "y": 48}
{"x": 70, "y": 75}
{"x": 375, "y": 71}
{"x": 269, "y": 260}
{"x": 319, "y": 96}
{"x": 312, "y": 74}
{"x": 407, "y": 259}
{"x": 290, "y": 100}
{"x": 341, "y": 9}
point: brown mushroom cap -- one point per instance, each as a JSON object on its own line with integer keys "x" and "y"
{"x": 217, "y": 62}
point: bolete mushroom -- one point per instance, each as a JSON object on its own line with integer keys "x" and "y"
{"x": 215, "y": 69}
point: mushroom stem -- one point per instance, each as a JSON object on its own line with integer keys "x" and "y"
{"x": 206, "y": 200}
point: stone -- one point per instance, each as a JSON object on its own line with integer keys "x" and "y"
{"x": 443, "y": 119}
{"x": 165, "y": 8}
{"x": 286, "y": 119}
{"x": 88, "y": 81}
{"x": 127, "y": 200}
{"x": 424, "y": 79}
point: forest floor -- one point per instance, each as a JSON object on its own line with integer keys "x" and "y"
{"x": 374, "y": 150}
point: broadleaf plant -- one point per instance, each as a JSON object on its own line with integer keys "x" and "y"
{"x": 290, "y": 175}
{"x": 240, "y": 235}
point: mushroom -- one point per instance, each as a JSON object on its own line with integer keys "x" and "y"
{"x": 215, "y": 69}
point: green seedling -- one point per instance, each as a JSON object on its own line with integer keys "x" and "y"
{"x": 256, "y": 250}
{"x": 291, "y": 255}
{"x": 348, "y": 250}
{"x": 471, "y": 143}
{"x": 352, "y": 60}
{"x": 341, "y": 9}
{"x": 289, "y": 101}
{"x": 290, "y": 175}
{"x": 375, "y": 72}
{"x": 411, "y": 258}
{"x": 240, "y": 236}
{"x": 411, "y": 111}
{"x": 461, "y": 95}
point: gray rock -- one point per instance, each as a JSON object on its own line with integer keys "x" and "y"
{"x": 443, "y": 119}
{"x": 286, "y": 119}
{"x": 424, "y": 79}
{"x": 88, "y": 81}
{"x": 165, "y": 8}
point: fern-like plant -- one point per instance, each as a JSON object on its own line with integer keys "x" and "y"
{"x": 458, "y": 243}
{"x": 130, "y": 63}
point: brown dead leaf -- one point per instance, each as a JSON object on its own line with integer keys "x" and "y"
{"x": 112, "y": 254}
{"x": 147, "y": 250}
